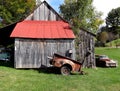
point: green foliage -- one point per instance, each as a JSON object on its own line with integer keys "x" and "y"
{"x": 38, "y": 2}
{"x": 113, "y": 20}
{"x": 14, "y": 10}
{"x": 103, "y": 37}
{"x": 112, "y": 24}
{"x": 81, "y": 13}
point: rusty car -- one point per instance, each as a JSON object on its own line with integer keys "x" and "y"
{"x": 105, "y": 61}
{"x": 66, "y": 64}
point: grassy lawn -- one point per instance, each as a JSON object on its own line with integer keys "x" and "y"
{"x": 99, "y": 79}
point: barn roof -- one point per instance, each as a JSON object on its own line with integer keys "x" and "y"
{"x": 43, "y": 29}
{"x": 88, "y": 32}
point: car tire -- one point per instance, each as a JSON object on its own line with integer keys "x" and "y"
{"x": 65, "y": 70}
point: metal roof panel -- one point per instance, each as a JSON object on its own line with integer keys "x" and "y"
{"x": 42, "y": 29}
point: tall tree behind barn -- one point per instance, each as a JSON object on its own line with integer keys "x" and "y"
{"x": 86, "y": 45}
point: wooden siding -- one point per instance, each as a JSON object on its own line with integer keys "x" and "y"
{"x": 86, "y": 43}
{"x": 32, "y": 53}
{"x": 44, "y": 12}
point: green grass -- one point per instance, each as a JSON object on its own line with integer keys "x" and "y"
{"x": 99, "y": 79}
{"x": 111, "y": 52}
{"x": 113, "y": 43}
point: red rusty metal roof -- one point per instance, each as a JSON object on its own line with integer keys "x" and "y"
{"x": 42, "y": 29}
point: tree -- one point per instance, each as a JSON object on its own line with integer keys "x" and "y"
{"x": 38, "y": 2}
{"x": 80, "y": 13}
{"x": 113, "y": 20}
{"x": 103, "y": 37}
{"x": 14, "y": 10}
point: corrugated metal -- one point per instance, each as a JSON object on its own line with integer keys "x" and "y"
{"x": 43, "y": 29}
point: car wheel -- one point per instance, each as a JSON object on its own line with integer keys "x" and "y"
{"x": 65, "y": 70}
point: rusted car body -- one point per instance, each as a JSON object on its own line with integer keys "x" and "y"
{"x": 66, "y": 65}
{"x": 105, "y": 61}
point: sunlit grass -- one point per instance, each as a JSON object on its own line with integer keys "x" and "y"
{"x": 98, "y": 79}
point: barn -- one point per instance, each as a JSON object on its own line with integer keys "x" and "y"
{"x": 38, "y": 37}
{"x": 41, "y": 34}
{"x": 86, "y": 39}
{"x": 36, "y": 40}
{"x": 86, "y": 46}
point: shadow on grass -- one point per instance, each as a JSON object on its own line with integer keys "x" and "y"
{"x": 43, "y": 69}
{"x": 7, "y": 64}
{"x": 49, "y": 70}
{"x": 56, "y": 70}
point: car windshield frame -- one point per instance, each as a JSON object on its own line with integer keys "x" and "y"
{"x": 103, "y": 57}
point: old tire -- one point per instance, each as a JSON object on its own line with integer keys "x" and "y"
{"x": 65, "y": 70}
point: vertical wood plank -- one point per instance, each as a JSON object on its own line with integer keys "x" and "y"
{"x": 33, "y": 53}
{"x": 86, "y": 44}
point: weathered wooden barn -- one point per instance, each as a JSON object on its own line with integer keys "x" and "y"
{"x": 86, "y": 46}
{"x": 36, "y": 40}
{"x": 43, "y": 33}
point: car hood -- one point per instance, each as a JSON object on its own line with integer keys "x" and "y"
{"x": 111, "y": 61}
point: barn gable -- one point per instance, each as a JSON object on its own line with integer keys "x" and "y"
{"x": 44, "y": 12}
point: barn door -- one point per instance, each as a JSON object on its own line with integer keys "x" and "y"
{"x": 26, "y": 55}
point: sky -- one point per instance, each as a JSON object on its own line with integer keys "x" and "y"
{"x": 104, "y": 6}
{"x": 55, "y": 3}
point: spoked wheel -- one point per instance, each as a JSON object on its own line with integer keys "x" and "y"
{"x": 65, "y": 70}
